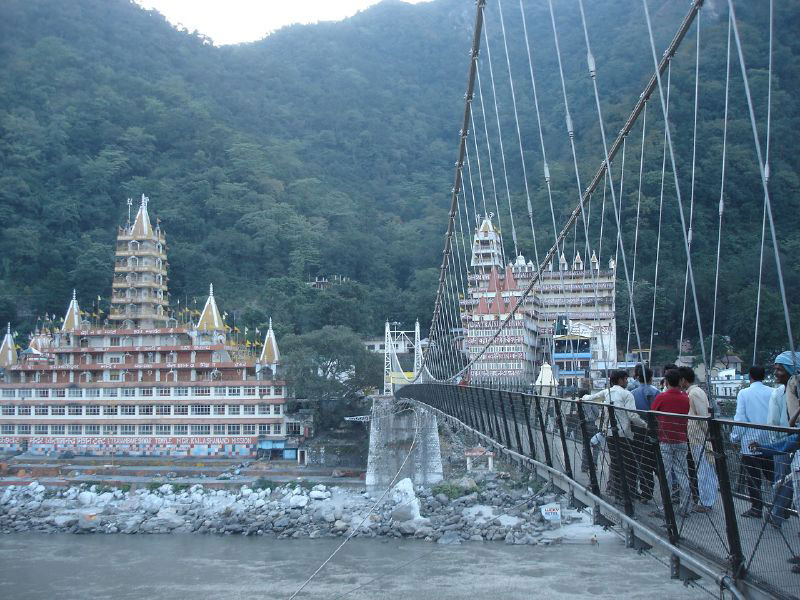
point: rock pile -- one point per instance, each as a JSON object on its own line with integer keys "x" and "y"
{"x": 485, "y": 514}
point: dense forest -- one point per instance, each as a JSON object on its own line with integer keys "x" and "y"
{"x": 328, "y": 150}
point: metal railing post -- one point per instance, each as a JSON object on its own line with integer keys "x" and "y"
{"x": 473, "y": 415}
{"x": 485, "y": 403}
{"x": 474, "y": 401}
{"x": 505, "y": 419}
{"x": 447, "y": 403}
{"x": 548, "y": 458}
{"x": 467, "y": 417}
{"x": 563, "y": 435}
{"x": 616, "y": 449}
{"x": 516, "y": 423}
{"x": 736, "y": 556}
{"x": 461, "y": 414}
{"x": 526, "y": 407}
{"x": 498, "y": 435}
{"x": 587, "y": 445}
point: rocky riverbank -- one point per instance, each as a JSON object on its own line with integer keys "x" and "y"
{"x": 447, "y": 514}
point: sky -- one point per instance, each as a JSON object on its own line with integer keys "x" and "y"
{"x": 235, "y": 21}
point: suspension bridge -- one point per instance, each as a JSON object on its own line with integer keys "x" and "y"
{"x": 501, "y": 321}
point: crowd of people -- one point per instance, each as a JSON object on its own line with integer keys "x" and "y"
{"x": 676, "y": 429}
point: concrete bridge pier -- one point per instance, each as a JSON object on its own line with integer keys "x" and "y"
{"x": 391, "y": 435}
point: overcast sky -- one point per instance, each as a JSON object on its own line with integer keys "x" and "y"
{"x": 234, "y": 21}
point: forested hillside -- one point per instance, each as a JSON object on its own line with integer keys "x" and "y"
{"x": 328, "y": 150}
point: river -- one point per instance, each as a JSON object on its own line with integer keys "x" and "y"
{"x": 166, "y": 567}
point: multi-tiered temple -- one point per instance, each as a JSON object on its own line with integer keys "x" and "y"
{"x": 144, "y": 383}
{"x": 567, "y": 320}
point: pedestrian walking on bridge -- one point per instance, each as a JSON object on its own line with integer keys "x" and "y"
{"x": 752, "y": 407}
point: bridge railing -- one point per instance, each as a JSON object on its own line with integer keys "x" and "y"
{"x": 699, "y": 481}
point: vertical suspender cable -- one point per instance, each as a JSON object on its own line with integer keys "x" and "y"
{"x": 695, "y": 7}
{"x": 636, "y": 234}
{"x": 762, "y": 171}
{"x": 694, "y": 157}
{"x": 473, "y": 64}
{"x": 593, "y": 74}
{"x": 491, "y": 163}
{"x": 477, "y": 160}
{"x": 611, "y": 152}
{"x": 519, "y": 134}
{"x": 472, "y": 188}
{"x": 621, "y": 182}
{"x": 721, "y": 195}
{"x": 605, "y": 170}
{"x": 545, "y": 167}
{"x": 766, "y": 176}
{"x": 660, "y": 213}
{"x": 500, "y": 135}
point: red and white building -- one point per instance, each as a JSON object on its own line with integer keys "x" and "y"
{"x": 580, "y": 295}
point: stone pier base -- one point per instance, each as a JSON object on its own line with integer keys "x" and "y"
{"x": 391, "y": 435}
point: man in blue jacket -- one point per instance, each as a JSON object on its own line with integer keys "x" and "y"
{"x": 644, "y": 447}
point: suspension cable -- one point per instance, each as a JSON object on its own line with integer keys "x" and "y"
{"x": 694, "y": 157}
{"x": 609, "y": 156}
{"x": 636, "y": 234}
{"x": 519, "y": 134}
{"x": 762, "y": 172}
{"x": 766, "y": 176}
{"x": 472, "y": 186}
{"x": 500, "y": 133}
{"x": 660, "y": 213}
{"x": 491, "y": 163}
{"x": 721, "y": 191}
{"x": 695, "y": 8}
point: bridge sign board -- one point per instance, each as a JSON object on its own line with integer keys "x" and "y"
{"x": 551, "y": 512}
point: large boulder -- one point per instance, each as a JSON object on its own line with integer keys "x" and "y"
{"x": 406, "y": 500}
{"x": 86, "y": 498}
{"x": 104, "y": 498}
{"x": 131, "y": 524}
{"x": 165, "y": 520}
{"x": 478, "y": 514}
{"x": 467, "y": 484}
{"x": 449, "y": 538}
{"x": 65, "y": 521}
{"x": 509, "y": 521}
{"x": 152, "y": 503}
{"x": 298, "y": 501}
{"x": 406, "y": 512}
{"x": 217, "y": 503}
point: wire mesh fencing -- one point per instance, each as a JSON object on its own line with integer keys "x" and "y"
{"x": 723, "y": 489}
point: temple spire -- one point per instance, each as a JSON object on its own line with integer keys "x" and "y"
{"x": 270, "y": 355}
{"x": 72, "y": 320}
{"x": 142, "y": 227}
{"x": 210, "y": 318}
{"x": 8, "y": 349}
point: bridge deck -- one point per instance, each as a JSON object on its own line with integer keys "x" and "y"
{"x": 512, "y": 420}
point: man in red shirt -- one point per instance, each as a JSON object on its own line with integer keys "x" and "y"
{"x": 672, "y": 435}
